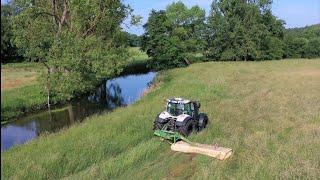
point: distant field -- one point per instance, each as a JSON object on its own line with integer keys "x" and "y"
{"x": 20, "y": 90}
{"x": 137, "y": 55}
{"x": 16, "y": 75}
{"x": 268, "y": 112}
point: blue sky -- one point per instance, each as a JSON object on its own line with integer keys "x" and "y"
{"x": 296, "y": 13}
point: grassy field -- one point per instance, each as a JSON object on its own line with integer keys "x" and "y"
{"x": 21, "y": 92}
{"x": 16, "y": 75}
{"x": 268, "y": 112}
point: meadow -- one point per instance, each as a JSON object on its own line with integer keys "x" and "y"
{"x": 267, "y": 112}
{"x": 20, "y": 90}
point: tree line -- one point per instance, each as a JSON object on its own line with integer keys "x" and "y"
{"x": 302, "y": 42}
{"x": 235, "y": 30}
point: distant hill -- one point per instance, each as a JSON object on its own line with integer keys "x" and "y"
{"x": 302, "y": 42}
{"x": 307, "y": 32}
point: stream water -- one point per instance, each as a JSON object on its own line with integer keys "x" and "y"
{"x": 120, "y": 91}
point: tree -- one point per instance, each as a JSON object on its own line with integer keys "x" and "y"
{"x": 133, "y": 40}
{"x": 312, "y": 49}
{"x": 302, "y": 42}
{"x": 187, "y": 24}
{"x": 173, "y": 35}
{"x": 165, "y": 51}
{"x": 243, "y": 30}
{"x": 274, "y": 48}
{"x": 77, "y": 41}
{"x": 295, "y": 47}
{"x": 8, "y": 49}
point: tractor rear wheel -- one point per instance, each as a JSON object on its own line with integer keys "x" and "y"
{"x": 186, "y": 130}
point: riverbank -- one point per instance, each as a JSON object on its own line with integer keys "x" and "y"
{"x": 22, "y": 94}
{"x": 268, "y": 112}
{"x": 20, "y": 91}
{"x": 113, "y": 93}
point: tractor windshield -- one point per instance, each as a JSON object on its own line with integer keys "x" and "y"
{"x": 175, "y": 109}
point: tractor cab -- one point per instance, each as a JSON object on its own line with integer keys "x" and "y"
{"x": 178, "y": 106}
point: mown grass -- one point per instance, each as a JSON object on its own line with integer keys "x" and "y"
{"x": 268, "y": 112}
{"x": 21, "y": 92}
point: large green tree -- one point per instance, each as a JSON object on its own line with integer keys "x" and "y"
{"x": 173, "y": 35}
{"x": 8, "y": 49}
{"x": 187, "y": 24}
{"x": 78, "y": 41}
{"x": 243, "y": 30}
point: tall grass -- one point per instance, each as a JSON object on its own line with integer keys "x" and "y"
{"x": 17, "y": 101}
{"x": 268, "y": 112}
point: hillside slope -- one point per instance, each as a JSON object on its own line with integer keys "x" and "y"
{"x": 307, "y": 32}
{"x": 268, "y": 112}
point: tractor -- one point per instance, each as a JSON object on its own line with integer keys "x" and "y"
{"x": 182, "y": 116}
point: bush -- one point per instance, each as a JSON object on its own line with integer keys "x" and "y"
{"x": 274, "y": 48}
{"x": 295, "y": 47}
{"x": 312, "y": 49}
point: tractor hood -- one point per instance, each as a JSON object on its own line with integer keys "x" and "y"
{"x": 180, "y": 118}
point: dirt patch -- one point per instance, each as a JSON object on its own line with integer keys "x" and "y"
{"x": 10, "y": 84}
{"x": 305, "y": 72}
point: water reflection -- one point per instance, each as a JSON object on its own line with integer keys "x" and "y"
{"x": 114, "y": 97}
{"x": 111, "y": 94}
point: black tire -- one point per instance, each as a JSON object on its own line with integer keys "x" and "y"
{"x": 186, "y": 130}
{"x": 157, "y": 126}
{"x": 203, "y": 121}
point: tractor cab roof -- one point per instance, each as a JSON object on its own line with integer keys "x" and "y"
{"x": 178, "y": 100}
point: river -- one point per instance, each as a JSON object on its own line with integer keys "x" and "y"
{"x": 113, "y": 93}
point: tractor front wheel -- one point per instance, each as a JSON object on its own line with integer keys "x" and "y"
{"x": 157, "y": 126}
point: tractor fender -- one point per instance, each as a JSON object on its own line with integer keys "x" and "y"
{"x": 162, "y": 117}
{"x": 183, "y": 121}
{"x": 183, "y": 118}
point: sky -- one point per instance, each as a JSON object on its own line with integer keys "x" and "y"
{"x": 296, "y": 13}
